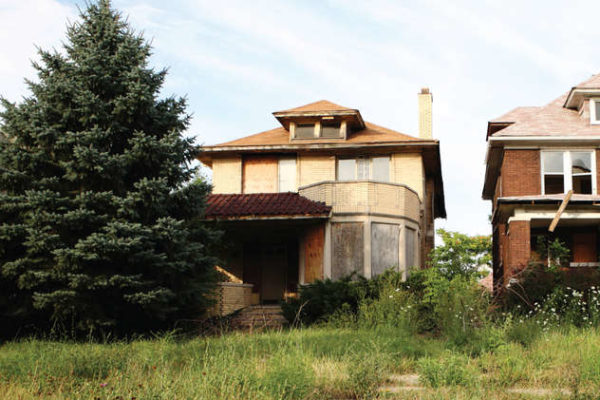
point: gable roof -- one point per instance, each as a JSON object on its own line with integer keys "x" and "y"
{"x": 263, "y": 205}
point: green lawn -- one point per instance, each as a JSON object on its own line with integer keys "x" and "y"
{"x": 314, "y": 363}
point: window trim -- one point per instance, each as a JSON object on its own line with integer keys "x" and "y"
{"x": 594, "y": 119}
{"x": 567, "y": 168}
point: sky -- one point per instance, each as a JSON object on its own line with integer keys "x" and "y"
{"x": 238, "y": 61}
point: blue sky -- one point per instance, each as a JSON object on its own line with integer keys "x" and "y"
{"x": 238, "y": 61}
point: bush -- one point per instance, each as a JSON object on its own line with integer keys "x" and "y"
{"x": 321, "y": 300}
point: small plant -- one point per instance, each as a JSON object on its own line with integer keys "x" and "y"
{"x": 452, "y": 370}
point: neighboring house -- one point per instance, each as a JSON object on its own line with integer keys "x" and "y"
{"x": 324, "y": 195}
{"x": 535, "y": 156}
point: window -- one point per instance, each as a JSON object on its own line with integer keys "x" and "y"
{"x": 346, "y": 169}
{"x": 330, "y": 130}
{"x": 381, "y": 169}
{"x": 287, "y": 175}
{"x": 566, "y": 170}
{"x": 305, "y": 131}
{"x": 595, "y": 111}
{"x": 364, "y": 168}
{"x": 410, "y": 247}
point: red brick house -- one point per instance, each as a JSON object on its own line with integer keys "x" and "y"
{"x": 535, "y": 156}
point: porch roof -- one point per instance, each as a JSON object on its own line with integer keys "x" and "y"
{"x": 264, "y": 206}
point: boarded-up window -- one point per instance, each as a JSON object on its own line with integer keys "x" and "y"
{"x": 410, "y": 247}
{"x": 259, "y": 174}
{"x": 381, "y": 169}
{"x": 304, "y": 131}
{"x": 287, "y": 175}
{"x": 346, "y": 169}
{"x": 384, "y": 247}
{"x": 347, "y": 249}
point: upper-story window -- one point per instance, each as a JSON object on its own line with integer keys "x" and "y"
{"x": 364, "y": 168}
{"x": 287, "y": 175}
{"x": 305, "y": 131}
{"x": 323, "y": 129}
{"x": 595, "y": 111}
{"x": 566, "y": 170}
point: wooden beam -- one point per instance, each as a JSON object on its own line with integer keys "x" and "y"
{"x": 560, "y": 211}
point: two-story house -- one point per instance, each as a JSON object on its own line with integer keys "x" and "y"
{"x": 535, "y": 157}
{"x": 324, "y": 195}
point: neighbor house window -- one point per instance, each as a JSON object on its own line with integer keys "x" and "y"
{"x": 364, "y": 168}
{"x": 287, "y": 175}
{"x": 595, "y": 111}
{"x": 568, "y": 170}
{"x": 304, "y": 131}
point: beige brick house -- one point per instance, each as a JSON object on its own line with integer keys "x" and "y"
{"x": 536, "y": 157}
{"x": 324, "y": 195}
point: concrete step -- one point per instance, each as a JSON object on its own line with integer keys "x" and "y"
{"x": 258, "y": 318}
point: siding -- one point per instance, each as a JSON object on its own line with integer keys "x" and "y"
{"x": 227, "y": 175}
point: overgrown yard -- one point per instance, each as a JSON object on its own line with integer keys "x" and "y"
{"x": 313, "y": 363}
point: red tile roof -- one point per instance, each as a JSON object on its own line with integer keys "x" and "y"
{"x": 263, "y": 205}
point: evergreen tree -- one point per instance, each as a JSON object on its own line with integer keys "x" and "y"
{"x": 99, "y": 226}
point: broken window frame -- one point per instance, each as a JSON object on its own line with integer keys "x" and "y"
{"x": 567, "y": 172}
{"x": 364, "y": 169}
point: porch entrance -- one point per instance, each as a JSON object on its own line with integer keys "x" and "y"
{"x": 272, "y": 267}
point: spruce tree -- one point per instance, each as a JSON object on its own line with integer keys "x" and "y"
{"x": 99, "y": 225}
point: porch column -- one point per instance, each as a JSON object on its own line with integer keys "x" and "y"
{"x": 518, "y": 248}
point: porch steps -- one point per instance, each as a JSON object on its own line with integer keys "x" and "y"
{"x": 259, "y": 317}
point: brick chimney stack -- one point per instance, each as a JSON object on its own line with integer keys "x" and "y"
{"x": 425, "y": 104}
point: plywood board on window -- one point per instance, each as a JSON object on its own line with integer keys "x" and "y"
{"x": 347, "y": 240}
{"x": 384, "y": 247}
{"x": 260, "y": 174}
{"x": 314, "y": 240}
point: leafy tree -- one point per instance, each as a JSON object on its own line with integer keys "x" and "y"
{"x": 99, "y": 227}
{"x": 461, "y": 254}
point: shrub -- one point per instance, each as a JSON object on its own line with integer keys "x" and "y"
{"x": 321, "y": 300}
{"x": 450, "y": 371}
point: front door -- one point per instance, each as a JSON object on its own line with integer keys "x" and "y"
{"x": 274, "y": 266}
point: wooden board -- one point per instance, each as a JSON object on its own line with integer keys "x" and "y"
{"x": 314, "y": 240}
{"x": 385, "y": 242}
{"x": 347, "y": 255}
{"x": 584, "y": 247}
{"x": 259, "y": 174}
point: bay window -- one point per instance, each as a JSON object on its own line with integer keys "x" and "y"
{"x": 568, "y": 170}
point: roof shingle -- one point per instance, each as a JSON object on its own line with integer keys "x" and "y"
{"x": 263, "y": 205}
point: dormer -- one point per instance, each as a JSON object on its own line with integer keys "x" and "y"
{"x": 321, "y": 120}
{"x": 585, "y": 98}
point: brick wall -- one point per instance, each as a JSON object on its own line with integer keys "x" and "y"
{"x": 518, "y": 248}
{"x": 407, "y": 168}
{"x": 521, "y": 173}
{"x": 313, "y": 169}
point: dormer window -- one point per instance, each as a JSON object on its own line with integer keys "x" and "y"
{"x": 595, "y": 111}
{"x": 305, "y": 131}
{"x": 330, "y": 129}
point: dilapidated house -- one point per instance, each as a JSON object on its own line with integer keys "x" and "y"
{"x": 323, "y": 195}
{"x": 542, "y": 178}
